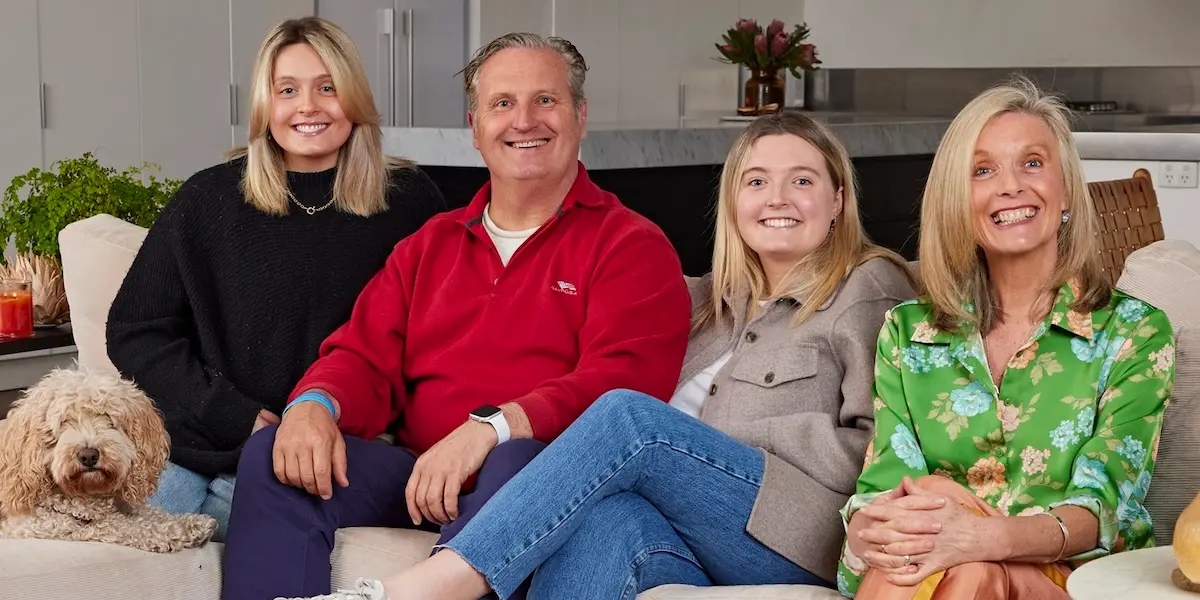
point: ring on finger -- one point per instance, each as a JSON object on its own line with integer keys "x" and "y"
{"x": 907, "y": 560}
{"x": 883, "y": 548}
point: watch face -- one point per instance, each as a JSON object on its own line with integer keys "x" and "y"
{"x": 484, "y": 412}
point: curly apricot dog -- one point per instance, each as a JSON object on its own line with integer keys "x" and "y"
{"x": 82, "y": 452}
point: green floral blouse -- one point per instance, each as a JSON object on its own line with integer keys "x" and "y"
{"x": 1076, "y": 419}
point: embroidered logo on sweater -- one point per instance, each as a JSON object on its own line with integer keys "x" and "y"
{"x": 565, "y": 288}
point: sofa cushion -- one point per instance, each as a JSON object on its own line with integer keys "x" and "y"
{"x": 1167, "y": 275}
{"x": 57, "y": 569}
{"x": 96, "y": 254}
{"x": 377, "y": 552}
{"x": 750, "y": 592}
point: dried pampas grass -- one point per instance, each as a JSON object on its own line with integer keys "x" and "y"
{"x": 49, "y": 294}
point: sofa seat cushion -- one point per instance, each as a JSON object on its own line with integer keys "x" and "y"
{"x": 57, "y": 569}
{"x": 377, "y": 552}
{"x": 1167, "y": 275}
{"x": 748, "y": 592}
{"x": 54, "y": 569}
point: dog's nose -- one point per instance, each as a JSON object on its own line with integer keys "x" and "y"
{"x": 88, "y": 457}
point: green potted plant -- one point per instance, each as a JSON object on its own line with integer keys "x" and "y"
{"x": 765, "y": 52}
{"x": 39, "y": 204}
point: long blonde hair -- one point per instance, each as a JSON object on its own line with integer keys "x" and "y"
{"x": 816, "y": 277}
{"x": 360, "y": 187}
{"x": 952, "y": 265}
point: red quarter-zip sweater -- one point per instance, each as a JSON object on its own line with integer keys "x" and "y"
{"x": 593, "y": 301}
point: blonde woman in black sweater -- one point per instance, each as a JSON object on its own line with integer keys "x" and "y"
{"x": 256, "y": 260}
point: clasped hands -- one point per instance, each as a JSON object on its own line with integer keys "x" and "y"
{"x": 310, "y": 453}
{"x": 912, "y": 533}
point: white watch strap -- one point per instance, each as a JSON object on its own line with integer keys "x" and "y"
{"x": 503, "y": 433}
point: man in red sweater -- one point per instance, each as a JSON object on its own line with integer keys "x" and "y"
{"x": 501, "y": 321}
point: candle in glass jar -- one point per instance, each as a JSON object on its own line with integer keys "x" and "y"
{"x": 16, "y": 309}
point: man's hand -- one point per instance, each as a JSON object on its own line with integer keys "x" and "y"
{"x": 264, "y": 418}
{"x": 437, "y": 477}
{"x": 308, "y": 448}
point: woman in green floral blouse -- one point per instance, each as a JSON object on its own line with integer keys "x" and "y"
{"x": 1018, "y": 404}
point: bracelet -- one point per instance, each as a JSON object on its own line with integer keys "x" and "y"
{"x": 1063, "y": 526}
{"x": 310, "y": 396}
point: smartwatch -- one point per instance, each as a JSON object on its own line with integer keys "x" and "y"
{"x": 492, "y": 415}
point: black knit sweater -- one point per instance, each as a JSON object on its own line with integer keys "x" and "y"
{"x": 225, "y": 307}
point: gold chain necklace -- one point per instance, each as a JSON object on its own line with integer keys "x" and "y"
{"x": 312, "y": 210}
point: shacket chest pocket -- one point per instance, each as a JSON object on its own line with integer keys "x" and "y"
{"x": 773, "y": 366}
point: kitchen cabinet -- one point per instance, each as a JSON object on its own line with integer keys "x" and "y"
{"x": 184, "y": 94}
{"x": 438, "y": 30}
{"x": 117, "y": 78}
{"x": 412, "y": 50}
{"x": 372, "y": 25}
{"x": 168, "y": 81}
{"x": 21, "y": 101}
{"x": 534, "y": 16}
{"x": 88, "y": 53}
{"x": 649, "y": 62}
{"x": 593, "y": 27}
{"x": 249, "y": 23}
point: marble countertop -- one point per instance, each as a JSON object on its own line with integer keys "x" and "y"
{"x": 705, "y": 139}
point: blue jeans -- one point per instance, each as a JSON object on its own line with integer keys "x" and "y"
{"x": 633, "y": 495}
{"x": 181, "y": 491}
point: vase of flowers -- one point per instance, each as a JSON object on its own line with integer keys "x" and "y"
{"x": 766, "y": 53}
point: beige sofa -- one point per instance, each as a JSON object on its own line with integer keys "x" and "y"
{"x": 97, "y": 252}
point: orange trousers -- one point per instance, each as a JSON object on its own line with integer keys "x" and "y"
{"x": 981, "y": 581}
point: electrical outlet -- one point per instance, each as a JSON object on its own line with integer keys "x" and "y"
{"x": 1177, "y": 175}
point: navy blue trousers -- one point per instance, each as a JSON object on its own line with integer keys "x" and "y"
{"x": 281, "y": 537}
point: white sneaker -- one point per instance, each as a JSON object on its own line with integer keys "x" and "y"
{"x": 364, "y": 589}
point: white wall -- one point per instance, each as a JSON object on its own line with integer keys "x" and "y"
{"x": 1180, "y": 208}
{"x": 640, "y": 51}
{"x": 1009, "y": 33}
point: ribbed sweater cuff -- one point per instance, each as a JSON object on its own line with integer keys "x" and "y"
{"x": 232, "y": 422}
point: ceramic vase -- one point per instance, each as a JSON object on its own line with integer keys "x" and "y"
{"x": 1186, "y": 545}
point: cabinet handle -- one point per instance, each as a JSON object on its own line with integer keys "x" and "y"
{"x": 42, "y": 104}
{"x": 408, "y": 33}
{"x": 682, "y": 102}
{"x": 233, "y": 111}
{"x": 387, "y": 27}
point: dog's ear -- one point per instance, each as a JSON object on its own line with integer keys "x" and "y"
{"x": 24, "y": 478}
{"x": 144, "y": 426}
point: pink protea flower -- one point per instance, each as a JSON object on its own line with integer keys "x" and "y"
{"x": 760, "y": 43}
{"x": 809, "y": 54}
{"x": 747, "y": 25}
{"x": 779, "y": 43}
{"x": 775, "y": 28}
